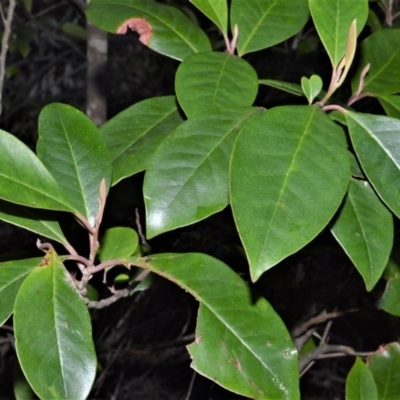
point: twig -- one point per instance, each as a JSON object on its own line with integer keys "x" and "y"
{"x": 189, "y": 392}
{"x": 323, "y": 317}
{"x": 4, "y": 46}
{"x": 109, "y": 300}
{"x": 140, "y": 231}
{"x": 330, "y": 350}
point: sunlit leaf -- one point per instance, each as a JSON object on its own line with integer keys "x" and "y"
{"x": 289, "y": 172}
{"x": 133, "y": 135}
{"x": 263, "y": 23}
{"x": 391, "y": 105}
{"x": 382, "y": 51}
{"x": 333, "y": 18}
{"x": 241, "y": 343}
{"x": 74, "y": 152}
{"x": 360, "y": 384}
{"x": 32, "y": 219}
{"x": 118, "y": 242}
{"x": 385, "y": 367}
{"x": 216, "y": 10}
{"x": 189, "y": 176}
{"x": 53, "y": 333}
{"x": 390, "y": 300}
{"x": 25, "y": 180}
{"x": 12, "y": 274}
{"x": 163, "y": 28}
{"x": 364, "y": 228}
{"x": 376, "y": 141}
{"x": 211, "y": 80}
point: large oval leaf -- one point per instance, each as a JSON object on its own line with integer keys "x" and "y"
{"x": 360, "y": 384}
{"x": 289, "y": 172}
{"x": 12, "y": 274}
{"x": 189, "y": 175}
{"x": 385, "y": 367}
{"x": 376, "y": 141}
{"x": 74, "y": 152}
{"x": 263, "y": 23}
{"x": 241, "y": 343}
{"x": 216, "y": 10}
{"x": 382, "y": 51}
{"x": 25, "y": 180}
{"x": 163, "y": 28}
{"x": 53, "y": 333}
{"x": 134, "y": 135}
{"x": 32, "y": 219}
{"x": 211, "y": 80}
{"x": 364, "y": 228}
{"x": 333, "y": 18}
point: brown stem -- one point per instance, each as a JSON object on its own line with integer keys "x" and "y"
{"x": 109, "y": 300}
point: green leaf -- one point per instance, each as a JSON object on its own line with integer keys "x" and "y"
{"x": 364, "y": 228}
{"x": 390, "y": 300}
{"x": 32, "y": 219}
{"x": 22, "y": 390}
{"x": 391, "y": 105}
{"x": 376, "y": 142}
{"x": 264, "y": 23}
{"x": 382, "y": 51}
{"x": 134, "y": 135}
{"x": 360, "y": 384}
{"x": 311, "y": 87}
{"x": 332, "y": 19}
{"x": 189, "y": 176}
{"x": 289, "y": 172}
{"x": 25, "y": 180}
{"x": 12, "y": 274}
{"x": 216, "y": 10}
{"x": 53, "y": 333}
{"x": 211, "y": 80}
{"x": 385, "y": 367}
{"x": 292, "y": 88}
{"x": 74, "y": 152}
{"x": 118, "y": 242}
{"x": 163, "y": 28}
{"x": 241, "y": 343}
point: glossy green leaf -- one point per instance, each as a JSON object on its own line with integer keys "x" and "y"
{"x": 311, "y": 87}
{"x": 163, "y": 28}
{"x": 74, "y": 152}
{"x": 53, "y": 333}
{"x": 391, "y": 105}
{"x": 189, "y": 176}
{"x": 382, "y": 51}
{"x": 25, "y": 180}
{"x": 360, "y": 384}
{"x": 333, "y": 18}
{"x": 385, "y": 367}
{"x": 216, "y": 10}
{"x": 289, "y": 172}
{"x": 118, "y": 242}
{"x": 376, "y": 141}
{"x": 241, "y": 343}
{"x": 32, "y": 219}
{"x": 134, "y": 135}
{"x": 211, "y": 80}
{"x": 364, "y": 228}
{"x": 390, "y": 300}
{"x": 292, "y": 88}
{"x": 12, "y": 274}
{"x": 264, "y": 23}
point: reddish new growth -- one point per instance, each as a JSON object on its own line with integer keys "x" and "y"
{"x": 140, "y": 25}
